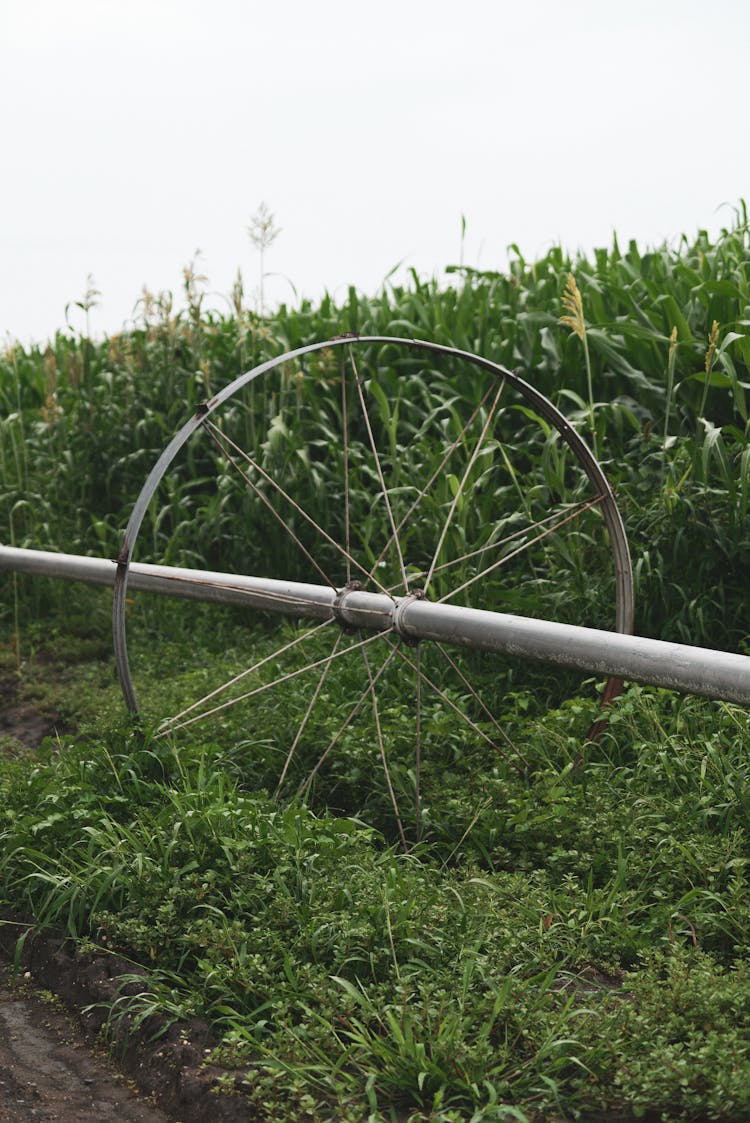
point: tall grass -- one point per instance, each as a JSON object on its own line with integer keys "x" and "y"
{"x": 661, "y": 393}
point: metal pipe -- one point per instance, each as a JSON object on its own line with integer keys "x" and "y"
{"x": 677, "y": 666}
{"x": 292, "y": 598}
{"x": 695, "y": 670}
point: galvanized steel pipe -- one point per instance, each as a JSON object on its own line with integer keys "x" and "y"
{"x": 292, "y": 598}
{"x": 694, "y": 670}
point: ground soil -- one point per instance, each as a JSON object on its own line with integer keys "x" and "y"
{"x": 47, "y": 1073}
{"x": 23, "y": 723}
{"x": 54, "y": 1002}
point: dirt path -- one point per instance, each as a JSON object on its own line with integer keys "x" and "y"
{"x": 47, "y": 1074}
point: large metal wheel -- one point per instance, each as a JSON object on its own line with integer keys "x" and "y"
{"x": 513, "y": 483}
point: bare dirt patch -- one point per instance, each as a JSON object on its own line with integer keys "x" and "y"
{"x": 166, "y": 1061}
{"x": 47, "y": 1074}
{"x": 24, "y": 724}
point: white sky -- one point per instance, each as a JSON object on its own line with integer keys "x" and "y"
{"x": 136, "y": 131}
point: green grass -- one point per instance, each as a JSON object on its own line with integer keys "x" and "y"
{"x": 568, "y": 940}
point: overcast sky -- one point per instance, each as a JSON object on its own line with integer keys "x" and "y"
{"x": 135, "y": 132}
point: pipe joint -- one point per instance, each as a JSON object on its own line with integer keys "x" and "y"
{"x": 338, "y": 608}
{"x": 398, "y": 624}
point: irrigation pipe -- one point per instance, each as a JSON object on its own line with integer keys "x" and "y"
{"x": 694, "y": 670}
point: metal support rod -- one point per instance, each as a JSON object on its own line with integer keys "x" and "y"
{"x": 694, "y": 670}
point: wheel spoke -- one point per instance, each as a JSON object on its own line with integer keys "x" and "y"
{"x": 168, "y": 723}
{"x": 308, "y": 711}
{"x": 522, "y": 497}
{"x": 480, "y": 702}
{"x": 344, "y": 725}
{"x": 524, "y": 546}
{"x": 381, "y": 747}
{"x": 449, "y": 702}
{"x": 491, "y": 545}
{"x": 345, "y": 423}
{"x": 212, "y": 431}
{"x": 462, "y": 484}
{"x": 438, "y": 472}
{"x": 379, "y": 470}
{"x": 270, "y": 685}
{"x": 418, "y": 749}
{"x": 308, "y": 518}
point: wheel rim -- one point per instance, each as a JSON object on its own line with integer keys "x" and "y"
{"x": 358, "y": 403}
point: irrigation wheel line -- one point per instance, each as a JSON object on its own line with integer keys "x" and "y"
{"x": 475, "y": 445}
